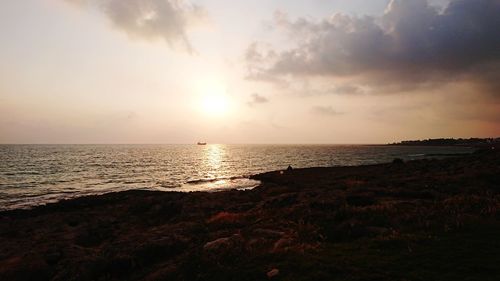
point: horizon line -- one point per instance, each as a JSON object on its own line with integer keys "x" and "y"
{"x": 194, "y": 143}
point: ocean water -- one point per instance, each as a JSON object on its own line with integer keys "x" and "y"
{"x": 38, "y": 174}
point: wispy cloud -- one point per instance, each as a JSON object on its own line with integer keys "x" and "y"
{"x": 256, "y": 99}
{"x": 150, "y": 19}
{"x": 325, "y": 111}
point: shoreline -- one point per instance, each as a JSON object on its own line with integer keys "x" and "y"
{"x": 344, "y": 223}
{"x": 194, "y": 184}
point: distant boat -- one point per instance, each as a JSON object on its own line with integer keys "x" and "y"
{"x": 201, "y": 143}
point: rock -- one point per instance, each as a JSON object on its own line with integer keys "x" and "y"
{"x": 360, "y": 200}
{"x": 73, "y": 221}
{"x": 268, "y": 232}
{"x": 273, "y": 273}
{"x": 25, "y": 268}
{"x": 283, "y": 244}
{"x": 151, "y": 251}
{"x": 375, "y": 231}
{"x": 216, "y": 244}
{"x": 52, "y": 257}
{"x": 119, "y": 265}
{"x": 280, "y": 201}
{"x": 259, "y": 245}
{"x": 397, "y": 161}
{"x": 224, "y": 218}
{"x": 224, "y": 245}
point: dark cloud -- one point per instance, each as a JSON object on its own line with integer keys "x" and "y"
{"x": 326, "y": 110}
{"x": 150, "y": 19}
{"x": 257, "y": 99}
{"x": 412, "y": 45}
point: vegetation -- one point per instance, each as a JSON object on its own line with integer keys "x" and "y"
{"x": 475, "y": 142}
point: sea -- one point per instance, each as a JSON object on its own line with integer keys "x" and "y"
{"x": 32, "y": 175}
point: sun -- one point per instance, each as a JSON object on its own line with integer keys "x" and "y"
{"x": 212, "y": 96}
{"x": 215, "y": 104}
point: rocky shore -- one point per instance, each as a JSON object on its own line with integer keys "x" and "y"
{"x": 418, "y": 220}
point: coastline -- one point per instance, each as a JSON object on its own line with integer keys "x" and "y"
{"x": 409, "y": 220}
{"x": 34, "y": 181}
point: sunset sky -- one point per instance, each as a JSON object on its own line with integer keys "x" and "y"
{"x": 262, "y": 71}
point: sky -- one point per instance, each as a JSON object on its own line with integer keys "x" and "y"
{"x": 262, "y": 71}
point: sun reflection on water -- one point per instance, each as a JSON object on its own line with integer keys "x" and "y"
{"x": 214, "y": 155}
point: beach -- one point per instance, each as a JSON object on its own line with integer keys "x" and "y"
{"x": 405, "y": 220}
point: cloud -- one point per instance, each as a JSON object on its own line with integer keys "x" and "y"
{"x": 257, "y": 99}
{"x": 326, "y": 111}
{"x": 150, "y": 19}
{"x": 348, "y": 89}
{"x": 413, "y": 44}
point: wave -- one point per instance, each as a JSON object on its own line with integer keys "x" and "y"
{"x": 217, "y": 184}
{"x": 198, "y": 181}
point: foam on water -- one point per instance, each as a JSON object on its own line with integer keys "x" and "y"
{"x": 239, "y": 183}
